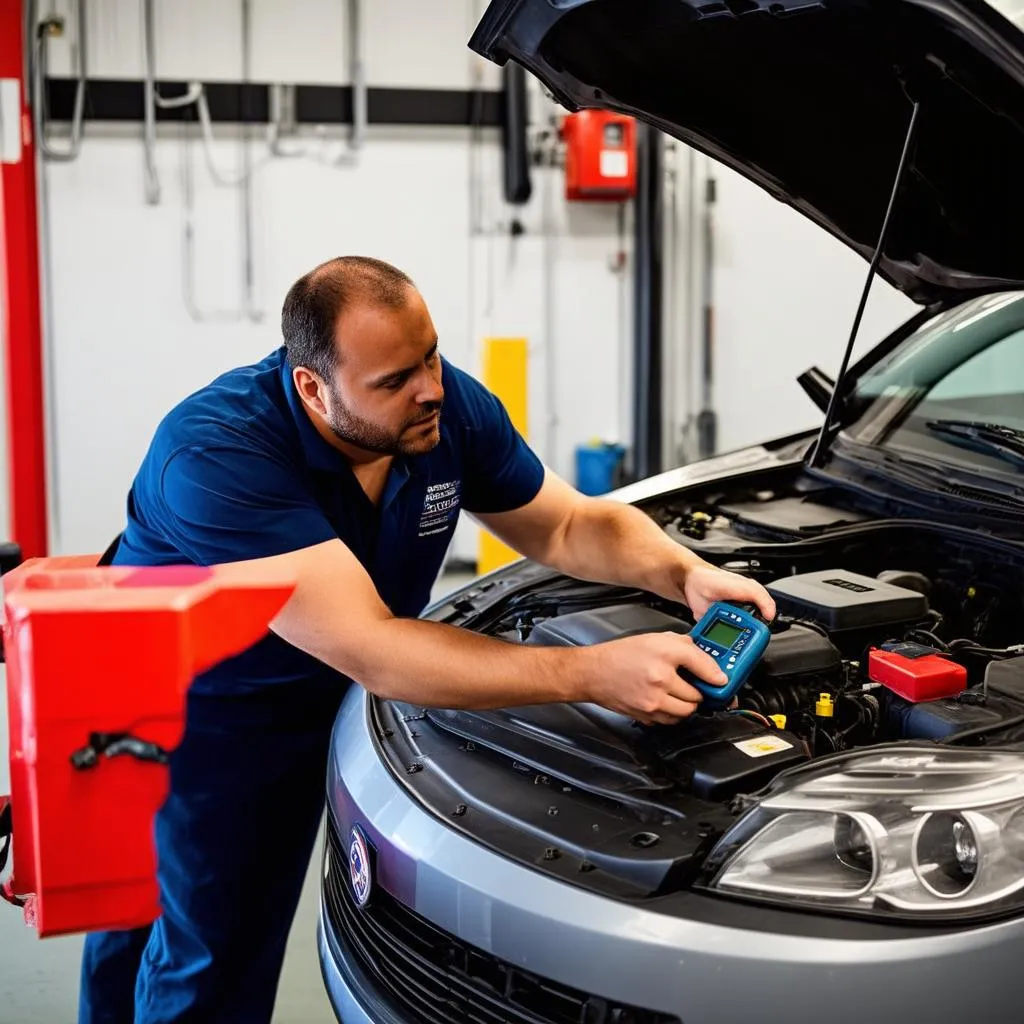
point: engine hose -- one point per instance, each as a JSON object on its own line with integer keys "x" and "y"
{"x": 781, "y": 698}
{"x": 868, "y": 710}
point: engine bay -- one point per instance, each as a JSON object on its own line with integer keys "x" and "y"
{"x": 852, "y": 661}
{"x": 889, "y": 631}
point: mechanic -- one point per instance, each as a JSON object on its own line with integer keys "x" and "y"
{"x": 346, "y": 457}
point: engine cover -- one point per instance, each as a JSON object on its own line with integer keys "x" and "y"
{"x": 841, "y": 600}
{"x": 581, "y": 629}
{"x": 799, "y": 652}
{"x": 715, "y": 756}
{"x": 795, "y": 652}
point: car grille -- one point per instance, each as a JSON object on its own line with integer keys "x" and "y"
{"x": 430, "y": 976}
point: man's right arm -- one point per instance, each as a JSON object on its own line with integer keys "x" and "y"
{"x": 337, "y": 616}
{"x": 242, "y": 508}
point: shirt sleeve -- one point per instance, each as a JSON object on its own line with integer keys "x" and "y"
{"x": 228, "y": 505}
{"x": 501, "y": 471}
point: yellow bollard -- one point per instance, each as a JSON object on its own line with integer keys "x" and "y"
{"x": 505, "y": 374}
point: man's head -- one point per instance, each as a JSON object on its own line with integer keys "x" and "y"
{"x": 363, "y": 354}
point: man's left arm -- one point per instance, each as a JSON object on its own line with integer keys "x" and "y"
{"x": 606, "y": 541}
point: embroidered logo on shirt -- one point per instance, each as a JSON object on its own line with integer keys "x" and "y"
{"x": 440, "y": 507}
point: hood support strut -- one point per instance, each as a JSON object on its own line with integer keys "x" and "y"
{"x": 830, "y": 427}
{"x": 648, "y": 287}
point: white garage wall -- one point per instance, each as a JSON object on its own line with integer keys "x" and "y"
{"x": 125, "y": 349}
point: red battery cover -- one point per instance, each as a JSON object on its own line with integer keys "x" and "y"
{"x": 916, "y": 673}
{"x": 104, "y": 656}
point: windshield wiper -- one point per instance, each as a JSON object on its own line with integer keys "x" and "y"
{"x": 922, "y": 472}
{"x": 988, "y": 438}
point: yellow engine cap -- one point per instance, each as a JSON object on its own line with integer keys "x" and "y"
{"x": 779, "y": 720}
{"x": 824, "y": 708}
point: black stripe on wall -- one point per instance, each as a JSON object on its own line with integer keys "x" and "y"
{"x": 231, "y": 102}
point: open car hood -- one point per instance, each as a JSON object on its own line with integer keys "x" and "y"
{"x": 812, "y": 99}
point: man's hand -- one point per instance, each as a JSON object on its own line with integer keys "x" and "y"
{"x": 639, "y": 676}
{"x": 699, "y": 585}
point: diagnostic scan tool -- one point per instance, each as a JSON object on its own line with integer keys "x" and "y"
{"x": 736, "y": 638}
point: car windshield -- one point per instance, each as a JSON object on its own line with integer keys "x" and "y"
{"x": 1011, "y": 9}
{"x": 953, "y": 391}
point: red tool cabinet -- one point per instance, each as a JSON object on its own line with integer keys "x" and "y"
{"x": 98, "y": 664}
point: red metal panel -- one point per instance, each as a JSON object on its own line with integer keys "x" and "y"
{"x": 22, "y": 328}
{"x": 94, "y": 654}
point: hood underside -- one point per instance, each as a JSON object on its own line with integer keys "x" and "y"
{"x": 812, "y": 99}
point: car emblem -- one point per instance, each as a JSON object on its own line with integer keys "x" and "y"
{"x": 359, "y": 867}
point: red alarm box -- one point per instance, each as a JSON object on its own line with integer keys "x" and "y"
{"x": 98, "y": 664}
{"x": 600, "y": 156}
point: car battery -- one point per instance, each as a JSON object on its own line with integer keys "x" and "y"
{"x": 98, "y": 664}
{"x": 916, "y": 672}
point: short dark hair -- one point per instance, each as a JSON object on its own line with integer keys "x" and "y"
{"x": 314, "y": 303}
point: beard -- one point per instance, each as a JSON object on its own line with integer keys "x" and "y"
{"x": 409, "y": 439}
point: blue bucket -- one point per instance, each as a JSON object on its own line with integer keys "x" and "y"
{"x": 597, "y": 468}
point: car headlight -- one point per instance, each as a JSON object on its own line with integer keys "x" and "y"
{"x": 897, "y": 832}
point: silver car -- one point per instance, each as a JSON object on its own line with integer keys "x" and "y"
{"x": 847, "y": 844}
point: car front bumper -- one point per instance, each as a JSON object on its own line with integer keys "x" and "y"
{"x": 696, "y": 971}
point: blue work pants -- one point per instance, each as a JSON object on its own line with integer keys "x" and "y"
{"x": 233, "y": 840}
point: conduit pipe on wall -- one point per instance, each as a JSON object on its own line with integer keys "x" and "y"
{"x": 282, "y": 100}
{"x": 196, "y": 96}
{"x": 49, "y": 28}
{"x": 282, "y": 103}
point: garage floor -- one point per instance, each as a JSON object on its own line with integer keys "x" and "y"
{"x": 39, "y": 978}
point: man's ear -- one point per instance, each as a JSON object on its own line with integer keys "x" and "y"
{"x": 311, "y": 389}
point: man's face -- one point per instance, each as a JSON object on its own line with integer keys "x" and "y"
{"x": 386, "y": 394}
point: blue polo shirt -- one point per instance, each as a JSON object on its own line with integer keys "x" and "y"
{"x": 237, "y": 471}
